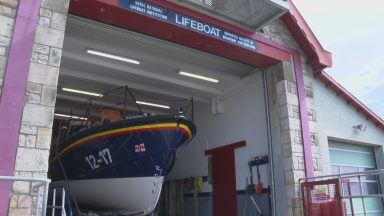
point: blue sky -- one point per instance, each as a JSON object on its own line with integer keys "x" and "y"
{"x": 354, "y": 32}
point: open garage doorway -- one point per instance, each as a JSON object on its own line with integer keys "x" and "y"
{"x": 126, "y": 73}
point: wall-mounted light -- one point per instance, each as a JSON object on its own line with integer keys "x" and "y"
{"x": 360, "y": 128}
{"x": 196, "y": 76}
{"x": 82, "y": 92}
{"x": 112, "y": 56}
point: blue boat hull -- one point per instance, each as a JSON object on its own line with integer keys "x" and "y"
{"x": 125, "y": 150}
{"x": 129, "y": 150}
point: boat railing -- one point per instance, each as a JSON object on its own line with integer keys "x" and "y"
{"x": 39, "y": 185}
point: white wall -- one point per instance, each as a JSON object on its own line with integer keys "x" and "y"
{"x": 336, "y": 120}
{"x": 243, "y": 119}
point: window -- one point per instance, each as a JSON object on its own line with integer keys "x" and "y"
{"x": 369, "y": 184}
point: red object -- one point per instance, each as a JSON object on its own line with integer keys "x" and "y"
{"x": 108, "y": 11}
{"x": 140, "y": 148}
{"x": 332, "y": 208}
{"x": 325, "y": 209}
{"x": 110, "y": 115}
{"x": 323, "y": 198}
{"x": 259, "y": 188}
{"x": 224, "y": 179}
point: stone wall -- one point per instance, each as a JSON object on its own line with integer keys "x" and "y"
{"x": 40, "y": 96}
{"x": 284, "y": 100}
{"x": 7, "y": 20}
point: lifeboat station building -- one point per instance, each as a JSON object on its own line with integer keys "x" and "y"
{"x": 275, "y": 133}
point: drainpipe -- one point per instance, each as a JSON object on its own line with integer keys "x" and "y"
{"x": 270, "y": 149}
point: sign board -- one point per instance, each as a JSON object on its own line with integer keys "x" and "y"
{"x": 319, "y": 196}
{"x": 148, "y": 9}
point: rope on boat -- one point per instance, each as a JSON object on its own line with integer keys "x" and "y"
{"x": 131, "y": 93}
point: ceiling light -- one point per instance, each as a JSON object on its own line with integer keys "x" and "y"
{"x": 198, "y": 77}
{"x": 153, "y": 104}
{"x": 82, "y": 92}
{"x": 69, "y": 116}
{"x": 112, "y": 56}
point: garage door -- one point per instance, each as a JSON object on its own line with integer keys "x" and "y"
{"x": 348, "y": 158}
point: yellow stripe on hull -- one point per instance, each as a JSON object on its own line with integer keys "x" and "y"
{"x": 120, "y": 130}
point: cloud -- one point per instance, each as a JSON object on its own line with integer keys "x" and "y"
{"x": 367, "y": 83}
{"x": 375, "y": 101}
{"x": 353, "y": 31}
{"x": 367, "y": 80}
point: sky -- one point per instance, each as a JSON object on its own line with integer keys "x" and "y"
{"x": 353, "y": 31}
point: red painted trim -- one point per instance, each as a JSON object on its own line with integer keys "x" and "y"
{"x": 304, "y": 122}
{"x": 224, "y": 183}
{"x": 352, "y": 100}
{"x": 224, "y": 178}
{"x": 13, "y": 93}
{"x": 107, "y": 12}
{"x": 226, "y": 147}
{"x": 318, "y": 57}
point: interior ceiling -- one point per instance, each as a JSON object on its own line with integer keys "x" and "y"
{"x": 155, "y": 80}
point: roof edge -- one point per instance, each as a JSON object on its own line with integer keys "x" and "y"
{"x": 318, "y": 57}
{"x": 349, "y": 98}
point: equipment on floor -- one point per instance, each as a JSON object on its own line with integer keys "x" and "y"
{"x": 257, "y": 162}
{"x": 249, "y": 191}
{"x": 252, "y": 188}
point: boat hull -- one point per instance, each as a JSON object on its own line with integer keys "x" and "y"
{"x": 107, "y": 167}
{"x": 139, "y": 198}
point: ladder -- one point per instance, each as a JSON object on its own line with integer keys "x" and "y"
{"x": 59, "y": 202}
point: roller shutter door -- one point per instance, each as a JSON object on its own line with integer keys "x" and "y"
{"x": 348, "y": 158}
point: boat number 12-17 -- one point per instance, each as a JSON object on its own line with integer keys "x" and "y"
{"x": 103, "y": 157}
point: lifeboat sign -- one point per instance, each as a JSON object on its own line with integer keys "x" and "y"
{"x": 148, "y": 9}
